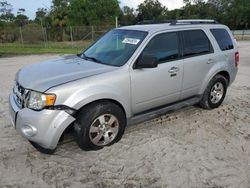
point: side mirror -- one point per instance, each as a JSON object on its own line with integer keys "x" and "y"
{"x": 146, "y": 61}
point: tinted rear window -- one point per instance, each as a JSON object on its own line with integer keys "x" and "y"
{"x": 196, "y": 43}
{"x": 223, "y": 39}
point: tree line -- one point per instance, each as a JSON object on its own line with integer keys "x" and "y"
{"x": 64, "y": 13}
{"x": 234, "y": 13}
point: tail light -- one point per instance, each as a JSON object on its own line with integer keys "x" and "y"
{"x": 237, "y": 59}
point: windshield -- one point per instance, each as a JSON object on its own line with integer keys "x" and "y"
{"x": 115, "y": 48}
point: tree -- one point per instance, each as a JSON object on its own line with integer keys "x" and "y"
{"x": 6, "y": 12}
{"x": 5, "y": 7}
{"x": 199, "y": 10}
{"x": 192, "y": 1}
{"x": 235, "y": 13}
{"x": 40, "y": 15}
{"x": 59, "y": 13}
{"x": 21, "y": 19}
{"x": 93, "y": 12}
{"x": 151, "y": 10}
{"x": 129, "y": 16}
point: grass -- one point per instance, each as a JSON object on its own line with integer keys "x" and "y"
{"x": 9, "y": 49}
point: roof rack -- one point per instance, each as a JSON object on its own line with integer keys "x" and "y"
{"x": 144, "y": 22}
{"x": 195, "y": 21}
{"x": 178, "y": 22}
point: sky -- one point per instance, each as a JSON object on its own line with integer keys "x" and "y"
{"x": 31, "y": 6}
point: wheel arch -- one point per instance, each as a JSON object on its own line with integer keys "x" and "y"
{"x": 101, "y": 101}
{"x": 225, "y": 74}
{"x": 212, "y": 74}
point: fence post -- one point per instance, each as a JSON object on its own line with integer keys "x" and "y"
{"x": 43, "y": 37}
{"x": 243, "y": 33}
{"x": 21, "y": 35}
{"x": 92, "y": 32}
{"x": 63, "y": 35}
{"x": 71, "y": 34}
{"x": 46, "y": 36}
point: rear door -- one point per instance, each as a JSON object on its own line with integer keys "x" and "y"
{"x": 154, "y": 87}
{"x": 198, "y": 57}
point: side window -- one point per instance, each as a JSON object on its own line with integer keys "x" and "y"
{"x": 165, "y": 47}
{"x": 195, "y": 43}
{"x": 223, "y": 39}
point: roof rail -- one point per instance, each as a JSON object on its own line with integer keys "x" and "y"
{"x": 195, "y": 21}
{"x": 144, "y": 22}
{"x": 178, "y": 22}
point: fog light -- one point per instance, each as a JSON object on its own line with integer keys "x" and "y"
{"x": 29, "y": 130}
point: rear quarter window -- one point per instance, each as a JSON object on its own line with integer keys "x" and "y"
{"x": 223, "y": 39}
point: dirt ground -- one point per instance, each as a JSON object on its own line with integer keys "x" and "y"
{"x": 191, "y": 147}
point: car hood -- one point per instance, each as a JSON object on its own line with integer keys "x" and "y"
{"x": 44, "y": 75}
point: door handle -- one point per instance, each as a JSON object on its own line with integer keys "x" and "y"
{"x": 210, "y": 61}
{"x": 173, "y": 70}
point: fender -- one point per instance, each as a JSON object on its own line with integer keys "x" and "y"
{"x": 87, "y": 95}
{"x": 218, "y": 67}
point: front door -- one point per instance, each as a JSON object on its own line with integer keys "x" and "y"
{"x": 155, "y": 87}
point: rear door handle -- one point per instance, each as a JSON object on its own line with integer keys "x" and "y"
{"x": 210, "y": 61}
{"x": 173, "y": 70}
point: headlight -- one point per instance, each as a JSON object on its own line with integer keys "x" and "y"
{"x": 38, "y": 101}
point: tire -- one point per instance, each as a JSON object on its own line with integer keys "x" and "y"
{"x": 42, "y": 149}
{"x": 213, "y": 96}
{"x": 98, "y": 125}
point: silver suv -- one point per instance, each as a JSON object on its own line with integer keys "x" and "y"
{"x": 129, "y": 75}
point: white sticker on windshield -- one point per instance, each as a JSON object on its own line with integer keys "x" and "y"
{"x": 131, "y": 41}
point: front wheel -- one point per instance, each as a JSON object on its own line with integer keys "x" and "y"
{"x": 214, "y": 93}
{"x": 98, "y": 125}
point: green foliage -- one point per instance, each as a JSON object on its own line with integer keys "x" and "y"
{"x": 199, "y": 10}
{"x": 64, "y": 14}
{"x": 235, "y": 13}
{"x": 5, "y": 12}
{"x": 59, "y": 13}
{"x": 21, "y": 20}
{"x": 40, "y": 15}
{"x": 93, "y": 12}
{"x": 151, "y": 10}
{"x": 129, "y": 16}
{"x": 8, "y": 17}
{"x": 5, "y": 7}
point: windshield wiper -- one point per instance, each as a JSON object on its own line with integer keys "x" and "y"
{"x": 91, "y": 58}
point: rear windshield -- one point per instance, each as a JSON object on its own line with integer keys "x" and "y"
{"x": 223, "y": 39}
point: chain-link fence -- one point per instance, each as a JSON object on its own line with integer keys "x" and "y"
{"x": 241, "y": 34}
{"x": 34, "y": 35}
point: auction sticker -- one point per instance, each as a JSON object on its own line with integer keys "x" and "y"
{"x": 131, "y": 41}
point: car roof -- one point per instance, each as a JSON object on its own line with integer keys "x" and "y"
{"x": 181, "y": 24}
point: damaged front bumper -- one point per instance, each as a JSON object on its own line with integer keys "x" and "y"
{"x": 43, "y": 127}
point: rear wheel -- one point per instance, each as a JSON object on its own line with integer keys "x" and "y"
{"x": 214, "y": 93}
{"x": 99, "y": 125}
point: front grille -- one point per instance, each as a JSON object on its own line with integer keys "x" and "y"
{"x": 20, "y": 93}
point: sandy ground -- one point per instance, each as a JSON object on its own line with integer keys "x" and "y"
{"x": 191, "y": 147}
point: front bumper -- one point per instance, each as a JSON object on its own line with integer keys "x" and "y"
{"x": 43, "y": 127}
